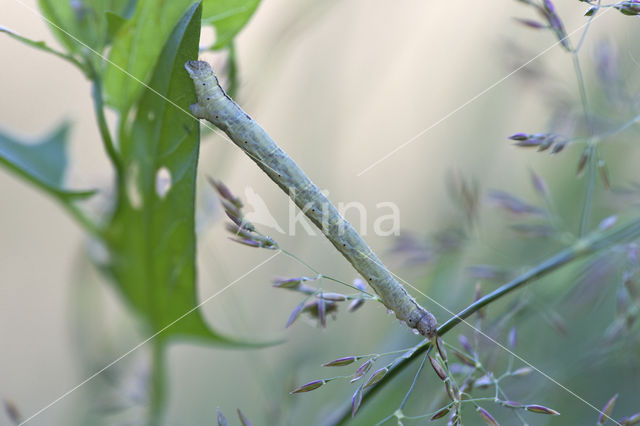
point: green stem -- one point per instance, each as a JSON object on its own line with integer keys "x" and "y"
{"x": 583, "y": 93}
{"x": 585, "y": 216}
{"x": 586, "y": 29}
{"x": 42, "y": 46}
{"x": 622, "y": 128}
{"x": 157, "y": 389}
{"x": 107, "y": 140}
{"x": 579, "y": 250}
{"x": 77, "y": 213}
{"x": 590, "y": 186}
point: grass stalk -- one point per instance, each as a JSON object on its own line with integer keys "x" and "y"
{"x": 581, "y": 249}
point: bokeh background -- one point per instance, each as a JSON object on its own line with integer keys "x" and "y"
{"x": 339, "y": 85}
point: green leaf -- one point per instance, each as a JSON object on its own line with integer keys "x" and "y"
{"x": 42, "y": 163}
{"x": 152, "y": 235}
{"x": 228, "y": 17}
{"x": 82, "y": 26}
{"x": 61, "y": 19}
{"x": 136, "y": 48}
{"x": 78, "y": 24}
{"x": 114, "y": 23}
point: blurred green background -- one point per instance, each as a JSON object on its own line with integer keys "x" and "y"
{"x": 338, "y": 85}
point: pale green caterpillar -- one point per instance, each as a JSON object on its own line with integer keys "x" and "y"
{"x": 215, "y": 106}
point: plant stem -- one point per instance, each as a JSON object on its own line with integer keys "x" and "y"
{"x": 580, "y": 249}
{"x": 157, "y": 388}
{"x": 107, "y": 140}
{"x": 585, "y": 216}
{"x": 590, "y": 186}
{"x": 621, "y": 128}
{"x": 586, "y": 29}
{"x": 87, "y": 224}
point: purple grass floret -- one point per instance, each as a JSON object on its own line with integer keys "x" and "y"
{"x": 440, "y": 413}
{"x": 437, "y": 367}
{"x": 340, "y": 362}
{"x": 629, "y": 7}
{"x": 605, "y": 413}
{"x": 308, "y": 387}
{"x": 486, "y": 417}
{"x": 356, "y": 400}
{"x": 541, "y": 409}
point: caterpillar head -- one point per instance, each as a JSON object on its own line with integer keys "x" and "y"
{"x": 427, "y": 326}
{"x": 423, "y": 321}
{"x": 199, "y": 70}
{"x": 208, "y": 91}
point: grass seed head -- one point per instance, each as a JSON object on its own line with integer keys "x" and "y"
{"x": 466, "y": 345}
{"x": 607, "y": 222}
{"x": 356, "y": 400}
{"x": 513, "y": 204}
{"x": 340, "y": 362}
{"x": 437, "y": 367}
{"x": 295, "y": 314}
{"x": 440, "y": 413}
{"x": 629, "y": 7}
{"x": 333, "y": 297}
{"x": 222, "y": 420}
{"x": 541, "y": 409}
{"x": 531, "y": 23}
{"x": 582, "y": 161}
{"x": 441, "y": 349}
{"x": 243, "y": 419}
{"x": 486, "y": 417}
{"x": 605, "y": 413}
{"x": 604, "y": 174}
{"x": 12, "y": 412}
{"x": 513, "y": 338}
{"x": 524, "y": 371}
{"x": 290, "y": 282}
{"x": 363, "y": 369}
{"x": 308, "y": 387}
{"x": 483, "y": 382}
{"x": 376, "y": 377}
{"x": 355, "y": 305}
{"x": 631, "y": 420}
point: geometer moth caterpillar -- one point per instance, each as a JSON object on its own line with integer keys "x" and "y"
{"x": 215, "y": 106}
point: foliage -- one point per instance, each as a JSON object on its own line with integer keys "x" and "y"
{"x": 150, "y": 233}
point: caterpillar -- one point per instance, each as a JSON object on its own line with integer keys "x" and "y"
{"x": 214, "y": 105}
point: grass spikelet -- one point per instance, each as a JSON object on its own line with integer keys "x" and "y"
{"x": 631, "y": 420}
{"x": 605, "y": 413}
{"x": 12, "y": 411}
{"x": 308, "y": 387}
{"x": 513, "y": 204}
{"x": 486, "y": 417}
{"x": 541, "y": 409}
{"x": 222, "y": 420}
{"x": 295, "y": 314}
{"x": 243, "y": 419}
{"x": 362, "y": 370}
{"x": 440, "y": 413}
{"x": 356, "y": 400}
{"x": 340, "y": 362}
{"x": 441, "y": 349}
{"x": 437, "y": 367}
{"x": 376, "y": 377}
